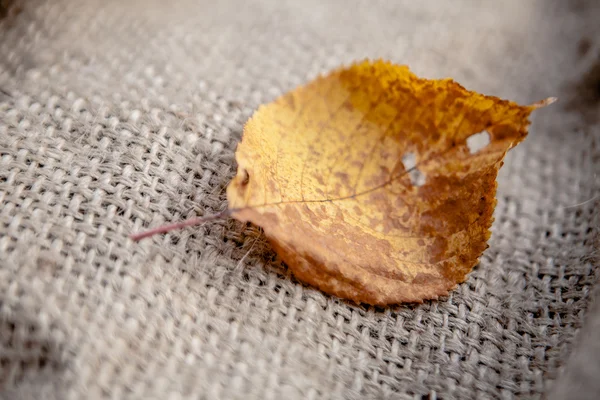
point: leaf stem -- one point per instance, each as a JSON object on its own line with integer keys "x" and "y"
{"x": 179, "y": 225}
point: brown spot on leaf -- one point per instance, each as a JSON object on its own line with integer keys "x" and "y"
{"x": 343, "y": 178}
{"x": 438, "y": 250}
{"x": 423, "y": 278}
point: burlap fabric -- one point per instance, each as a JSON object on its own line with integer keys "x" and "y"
{"x": 122, "y": 115}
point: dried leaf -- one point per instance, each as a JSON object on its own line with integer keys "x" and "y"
{"x": 365, "y": 184}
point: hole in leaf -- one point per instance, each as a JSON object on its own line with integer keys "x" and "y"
{"x": 409, "y": 160}
{"x": 478, "y": 141}
{"x": 417, "y": 178}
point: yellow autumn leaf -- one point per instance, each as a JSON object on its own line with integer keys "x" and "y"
{"x": 365, "y": 184}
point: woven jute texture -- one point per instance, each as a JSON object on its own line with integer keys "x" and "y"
{"x": 117, "y": 116}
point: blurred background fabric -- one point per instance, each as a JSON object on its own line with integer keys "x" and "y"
{"x": 117, "y": 116}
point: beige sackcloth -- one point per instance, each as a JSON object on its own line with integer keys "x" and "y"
{"x": 116, "y": 116}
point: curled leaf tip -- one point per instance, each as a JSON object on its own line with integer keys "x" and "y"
{"x": 544, "y": 103}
